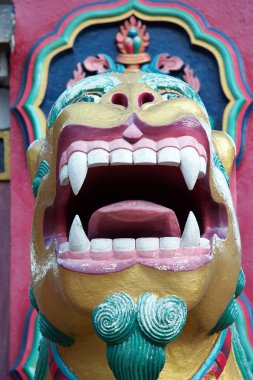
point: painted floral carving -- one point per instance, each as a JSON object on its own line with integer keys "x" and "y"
{"x": 191, "y": 79}
{"x": 99, "y": 64}
{"x": 166, "y": 63}
{"x": 78, "y": 74}
{"x": 132, "y": 40}
{"x": 133, "y": 37}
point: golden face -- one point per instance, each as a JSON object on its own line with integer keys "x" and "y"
{"x": 136, "y": 200}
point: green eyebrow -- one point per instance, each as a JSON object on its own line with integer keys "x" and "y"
{"x": 166, "y": 82}
{"x": 101, "y": 83}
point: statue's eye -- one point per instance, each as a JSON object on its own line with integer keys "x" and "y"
{"x": 169, "y": 95}
{"x": 89, "y": 98}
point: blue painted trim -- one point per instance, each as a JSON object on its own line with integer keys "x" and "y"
{"x": 61, "y": 365}
{"x": 13, "y": 371}
{"x": 23, "y": 127}
{"x": 244, "y": 134}
{"x": 211, "y": 358}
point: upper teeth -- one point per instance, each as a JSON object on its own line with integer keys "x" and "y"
{"x": 143, "y": 247}
{"x": 192, "y": 164}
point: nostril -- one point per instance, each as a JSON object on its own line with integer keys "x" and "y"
{"x": 145, "y": 97}
{"x": 120, "y": 99}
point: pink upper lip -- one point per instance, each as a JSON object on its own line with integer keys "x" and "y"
{"x": 181, "y": 133}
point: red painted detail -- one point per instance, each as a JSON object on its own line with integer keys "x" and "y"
{"x": 28, "y": 347}
{"x": 245, "y": 210}
{"x": 145, "y": 97}
{"x": 120, "y": 99}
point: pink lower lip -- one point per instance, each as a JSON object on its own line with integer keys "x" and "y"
{"x": 178, "y": 262}
{"x": 181, "y": 259}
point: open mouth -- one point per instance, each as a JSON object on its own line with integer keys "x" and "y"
{"x": 119, "y": 204}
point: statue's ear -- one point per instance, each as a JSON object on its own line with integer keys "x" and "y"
{"x": 225, "y": 148}
{"x": 34, "y": 155}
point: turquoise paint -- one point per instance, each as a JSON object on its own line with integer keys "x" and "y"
{"x": 227, "y": 318}
{"x": 137, "y": 334}
{"x": 240, "y": 283}
{"x": 100, "y": 83}
{"x": 167, "y": 82}
{"x": 219, "y": 165}
{"x": 240, "y": 356}
{"x": 41, "y": 172}
{"x": 161, "y": 320}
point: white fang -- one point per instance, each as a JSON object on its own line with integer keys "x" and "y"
{"x": 78, "y": 241}
{"x": 190, "y": 166}
{"x": 191, "y": 234}
{"x": 77, "y": 169}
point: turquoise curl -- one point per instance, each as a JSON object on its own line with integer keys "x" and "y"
{"x": 41, "y": 172}
{"x": 161, "y": 320}
{"x": 114, "y": 319}
{"x": 136, "y": 358}
{"x": 137, "y": 334}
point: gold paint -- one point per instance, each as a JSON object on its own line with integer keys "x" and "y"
{"x": 5, "y": 175}
{"x": 33, "y": 155}
{"x": 67, "y": 298}
{"x": 231, "y": 370}
{"x": 225, "y": 147}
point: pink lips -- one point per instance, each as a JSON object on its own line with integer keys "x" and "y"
{"x": 130, "y": 218}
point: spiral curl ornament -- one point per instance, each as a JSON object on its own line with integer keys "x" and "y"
{"x": 161, "y": 320}
{"x": 115, "y": 318}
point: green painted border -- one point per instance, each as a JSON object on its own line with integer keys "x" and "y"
{"x": 62, "y": 41}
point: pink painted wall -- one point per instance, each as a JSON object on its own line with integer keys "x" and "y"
{"x": 34, "y": 19}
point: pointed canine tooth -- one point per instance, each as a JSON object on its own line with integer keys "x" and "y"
{"x": 204, "y": 242}
{"x": 101, "y": 245}
{"x": 191, "y": 234}
{"x": 64, "y": 247}
{"x": 98, "y": 157}
{"x": 78, "y": 241}
{"x": 123, "y": 244}
{"x": 202, "y": 169}
{"x": 77, "y": 169}
{"x": 144, "y": 156}
{"x": 169, "y": 243}
{"x": 189, "y": 166}
{"x": 147, "y": 244}
{"x": 121, "y": 156}
{"x": 64, "y": 176}
{"x": 169, "y": 156}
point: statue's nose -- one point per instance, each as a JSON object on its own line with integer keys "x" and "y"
{"x": 142, "y": 98}
{"x": 132, "y": 133}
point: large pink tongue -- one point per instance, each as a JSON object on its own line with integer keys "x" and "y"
{"x": 133, "y": 219}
